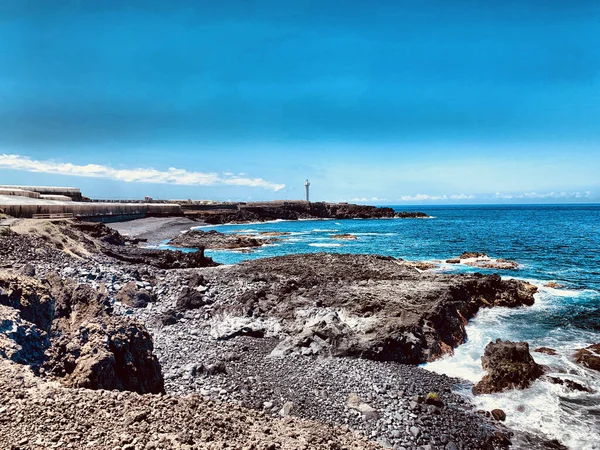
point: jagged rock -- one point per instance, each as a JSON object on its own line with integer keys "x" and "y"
{"x": 356, "y": 305}
{"x": 21, "y": 341}
{"x": 546, "y": 350}
{"x": 509, "y": 365}
{"x": 108, "y": 353}
{"x": 589, "y": 356}
{"x": 297, "y": 210}
{"x": 133, "y": 296}
{"x": 214, "y": 240}
{"x": 554, "y": 285}
{"x": 570, "y": 384}
{"x": 27, "y": 295}
{"x": 190, "y": 298}
{"x": 286, "y": 409}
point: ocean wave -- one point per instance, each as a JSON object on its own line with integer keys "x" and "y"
{"x": 324, "y": 245}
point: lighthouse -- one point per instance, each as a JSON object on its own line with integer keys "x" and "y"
{"x": 307, "y": 186}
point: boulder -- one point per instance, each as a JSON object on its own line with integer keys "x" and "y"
{"x": 498, "y": 414}
{"x": 509, "y": 365}
{"x": 354, "y": 402}
{"x": 133, "y": 296}
{"x": 589, "y": 356}
{"x": 109, "y": 353}
{"x": 190, "y": 298}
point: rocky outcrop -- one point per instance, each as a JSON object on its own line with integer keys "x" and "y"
{"x": 344, "y": 236}
{"x": 483, "y": 261}
{"x": 29, "y": 297}
{"x": 295, "y": 210}
{"x": 589, "y": 356}
{"x": 216, "y": 241}
{"x": 108, "y": 353}
{"x": 67, "y": 330}
{"x": 354, "y": 305}
{"x": 509, "y": 365}
{"x": 159, "y": 258}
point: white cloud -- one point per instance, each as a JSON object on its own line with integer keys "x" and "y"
{"x": 462, "y": 197}
{"x": 141, "y": 175}
{"x": 421, "y": 197}
{"x": 550, "y": 195}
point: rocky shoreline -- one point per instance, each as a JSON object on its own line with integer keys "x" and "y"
{"x": 274, "y": 343}
{"x": 244, "y": 213}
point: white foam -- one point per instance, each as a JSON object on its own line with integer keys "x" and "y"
{"x": 549, "y": 410}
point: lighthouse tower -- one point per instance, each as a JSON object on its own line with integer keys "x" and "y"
{"x": 307, "y": 186}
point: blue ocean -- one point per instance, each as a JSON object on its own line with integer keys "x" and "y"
{"x": 551, "y": 243}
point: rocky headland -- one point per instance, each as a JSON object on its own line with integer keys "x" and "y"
{"x": 271, "y": 353}
{"x": 243, "y": 213}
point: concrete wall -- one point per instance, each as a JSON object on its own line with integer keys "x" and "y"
{"x": 27, "y": 207}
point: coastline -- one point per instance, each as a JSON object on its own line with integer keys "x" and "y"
{"x": 250, "y": 357}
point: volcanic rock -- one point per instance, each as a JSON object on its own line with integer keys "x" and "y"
{"x": 589, "y": 356}
{"x": 498, "y": 414}
{"x": 355, "y": 305}
{"x": 570, "y": 384}
{"x": 215, "y": 240}
{"x": 509, "y": 365}
{"x": 108, "y": 353}
{"x": 344, "y": 236}
{"x": 546, "y": 350}
{"x": 133, "y": 296}
{"x": 29, "y": 297}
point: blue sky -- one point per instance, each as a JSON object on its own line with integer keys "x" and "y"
{"x": 389, "y": 101}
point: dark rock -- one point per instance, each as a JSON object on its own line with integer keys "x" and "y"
{"x": 169, "y": 317}
{"x": 589, "y": 356}
{"x": 33, "y": 300}
{"x": 215, "y": 240}
{"x": 109, "y": 353}
{"x": 131, "y": 295}
{"x": 498, "y": 414}
{"x": 468, "y": 255}
{"x": 190, "y": 298}
{"x": 546, "y": 350}
{"x": 406, "y": 315}
{"x": 509, "y": 365}
{"x": 570, "y": 384}
{"x": 295, "y": 211}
